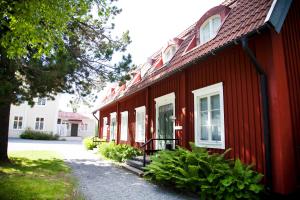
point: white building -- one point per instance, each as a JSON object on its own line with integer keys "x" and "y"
{"x": 45, "y": 116}
{"x": 74, "y": 124}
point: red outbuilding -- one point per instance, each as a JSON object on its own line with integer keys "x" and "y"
{"x": 231, "y": 80}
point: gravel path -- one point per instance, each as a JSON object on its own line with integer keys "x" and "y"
{"x": 100, "y": 179}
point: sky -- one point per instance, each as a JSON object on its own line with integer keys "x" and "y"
{"x": 151, "y": 24}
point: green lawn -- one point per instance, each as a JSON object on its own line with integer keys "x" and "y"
{"x": 36, "y": 175}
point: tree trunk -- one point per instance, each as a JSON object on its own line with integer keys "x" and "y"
{"x": 4, "y": 125}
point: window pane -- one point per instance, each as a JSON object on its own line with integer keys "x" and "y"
{"x": 16, "y": 118}
{"x": 203, "y": 104}
{"x": 15, "y": 124}
{"x": 41, "y": 125}
{"x": 20, "y": 125}
{"x": 215, "y": 117}
{"x": 205, "y": 33}
{"x": 36, "y": 125}
{"x": 204, "y": 133}
{"x": 42, "y": 119}
{"x": 215, "y": 102}
{"x": 216, "y": 133}
{"x": 216, "y": 23}
{"x": 37, "y": 119}
{"x": 204, "y": 118}
{"x": 20, "y": 118}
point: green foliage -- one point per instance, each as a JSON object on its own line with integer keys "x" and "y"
{"x": 118, "y": 152}
{"x": 36, "y": 175}
{"x": 38, "y": 135}
{"x": 58, "y": 46}
{"x": 89, "y": 144}
{"x": 210, "y": 175}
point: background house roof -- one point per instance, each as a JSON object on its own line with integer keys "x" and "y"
{"x": 71, "y": 116}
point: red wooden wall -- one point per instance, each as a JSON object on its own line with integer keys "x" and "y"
{"x": 242, "y": 108}
{"x": 129, "y": 104}
{"x": 242, "y": 104}
{"x": 291, "y": 40}
{"x": 106, "y": 113}
{"x": 243, "y": 126}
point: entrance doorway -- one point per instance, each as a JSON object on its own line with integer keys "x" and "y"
{"x": 165, "y": 121}
{"x": 74, "y": 130}
{"x": 165, "y": 126}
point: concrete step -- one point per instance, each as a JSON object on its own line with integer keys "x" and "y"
{"x": 135, "y": 163}
{"x": 133, "y": 169}
{"x": 141, "y": 159}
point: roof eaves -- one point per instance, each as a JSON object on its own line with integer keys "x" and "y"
{"x": 191, "y": 62}
{"x": 277, "y": 13}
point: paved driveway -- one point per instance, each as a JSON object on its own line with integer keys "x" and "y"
{"x": 99, "y": 179}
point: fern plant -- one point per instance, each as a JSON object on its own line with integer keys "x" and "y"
{"x": 210, "y": 175}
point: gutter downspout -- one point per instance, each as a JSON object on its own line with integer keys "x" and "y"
{"x": 265, "y": 107}
{"x": 97, "y": 122}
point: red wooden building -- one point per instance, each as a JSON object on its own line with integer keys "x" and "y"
{"x": 231, "y": 80}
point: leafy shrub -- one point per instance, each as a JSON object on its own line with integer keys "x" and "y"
{"x": 210, "y": 175}
{"x": 89, "y": 144}
{"x": 118, "y": 152}
{"x": 38, "y": 135}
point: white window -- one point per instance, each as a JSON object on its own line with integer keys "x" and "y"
{"x": 39, "y": 123}
{"x": 113, "y": 126}
{"x": 83, "y": 127}
{"x": 209, "y": 117}
{"x": 105, "y": 126}
{"x": 169, "y": 53}
{"x": 209, "y": 28}
{"x": 18, "y": 122}
{"x": 124, "y": 125}
{"x": 41, "y": 101}
{"x": 140, "y": 124}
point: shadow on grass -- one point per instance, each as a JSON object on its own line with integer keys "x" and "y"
{"x": 39, "y": 166}
{"x": 26, "y": 178}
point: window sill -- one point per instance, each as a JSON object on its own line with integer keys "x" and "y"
{"x": 211, "y": 145}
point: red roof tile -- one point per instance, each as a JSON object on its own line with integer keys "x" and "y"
{"x": 244, "y": 17}
{"x": 71, "y": 116}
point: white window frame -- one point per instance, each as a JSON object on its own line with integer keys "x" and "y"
{"x": 38, "y": 120}
{"x": 18, "y": 121}
{"x": 124, "y": 126}
{"x": 113, "y": 115}
{"x": 166, "y": 58}
{"x": 161, "y": 101}
{"x": 41, "y": 101}
{"x": 140, "y": 137}
{"x": 105, "y": 126}
{"x": 211, "y": 33}
{"x": 207, "y": 92}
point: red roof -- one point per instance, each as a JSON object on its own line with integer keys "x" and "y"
{"x": 70, "y": 116}
{"x": 244, "y": 17}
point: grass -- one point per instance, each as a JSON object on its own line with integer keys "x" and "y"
{"x": 36, "y": 175}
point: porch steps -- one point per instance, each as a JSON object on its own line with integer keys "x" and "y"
{"x": 133, "y": 170}
{"x": 135, "y": 165}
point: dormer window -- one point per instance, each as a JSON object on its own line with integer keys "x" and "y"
{"x": 209, "y": 28}
{"x": 169, "y": 53}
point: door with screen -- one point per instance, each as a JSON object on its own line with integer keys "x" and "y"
{"x": 165, "y": 126}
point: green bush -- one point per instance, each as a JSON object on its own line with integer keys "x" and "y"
{"x": 38, "y": 135}
{"x": 210, "y": 175}
{"x": 118, "y": 152}
{"x": 89, "y": 144}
